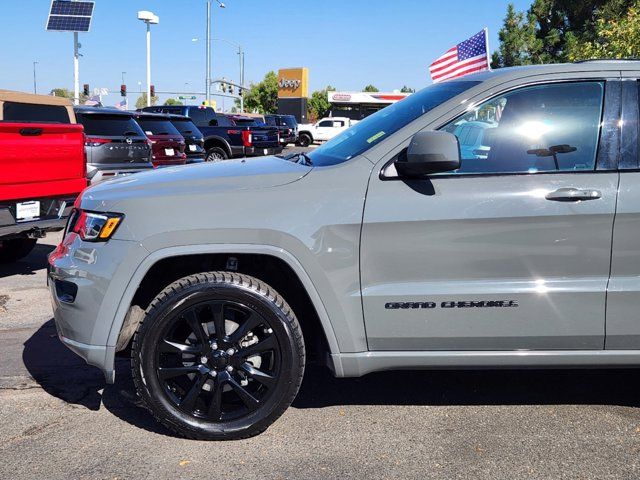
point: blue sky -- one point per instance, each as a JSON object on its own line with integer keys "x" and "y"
{"x": 345, "y": 43}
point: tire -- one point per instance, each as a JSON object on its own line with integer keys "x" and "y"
{"x": 15, "y": 249}
{"x": 216, "y": 154}
{"x": 257, "y": 354}
{"x": 304, "y": 140}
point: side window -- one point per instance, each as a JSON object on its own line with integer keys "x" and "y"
{"x": 542, "y": 128}
{"x": 29, "y": 112}
{"x": 198, "y": 116}
{"x": 326, "y": 123}
{"x": 338, "y": 124}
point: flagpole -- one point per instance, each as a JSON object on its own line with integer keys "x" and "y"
{"x": 486, "y": 41}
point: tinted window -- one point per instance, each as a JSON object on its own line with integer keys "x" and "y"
{"x": 110, "y": 125}
{"x": 290, "y": 121}
{"x": 326, "y": 123}
{"x": 271, "y": 121}
{"x": 27, "y": 112}
{"x": 201, "y": 116}
{"x": 224, "y": 121}
{"x": 157, "y": 127}
{"x": 375, "y": 128}
{"x": 186, "y": 127}
{"x": 247, "y": 122}
{"x": 534, "y": 129}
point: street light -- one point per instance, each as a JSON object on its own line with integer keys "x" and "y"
{"x": 35, "y": 85}
{"x": 208, "y": 79}
{"x": 150, "y": 19}
{"x": 241, "y": 62}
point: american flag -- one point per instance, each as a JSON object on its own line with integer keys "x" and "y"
{"x": 122, "y": 105}
{"x": 469, "y": 56}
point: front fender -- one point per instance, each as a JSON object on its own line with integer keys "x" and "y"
{"x": 164, "y": 253}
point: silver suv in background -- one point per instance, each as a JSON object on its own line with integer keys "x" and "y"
{"x": 115, "y": 144}
{"x": 385, "y": 248}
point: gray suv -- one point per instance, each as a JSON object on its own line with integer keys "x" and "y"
{"x": 385, "y": 248}
{"x": 115, "y": 144}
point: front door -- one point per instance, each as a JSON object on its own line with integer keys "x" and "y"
{"x": 510, "y": 252}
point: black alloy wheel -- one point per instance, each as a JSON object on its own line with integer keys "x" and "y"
{"x": 218, "y": 356}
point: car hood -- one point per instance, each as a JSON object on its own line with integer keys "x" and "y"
{"x": 195, "y": 179}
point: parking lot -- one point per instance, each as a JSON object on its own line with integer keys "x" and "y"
{"x": 60, "y": 420}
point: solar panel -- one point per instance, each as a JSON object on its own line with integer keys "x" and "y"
{"x": 68, "y": 16}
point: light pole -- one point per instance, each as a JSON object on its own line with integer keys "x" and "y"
{"x": 35, "y": 84}
{"x": 208, "y": 79}
{"x": 123, "y": 74}
{"x": 186, "y": 100}
{"x": 240, "y": 61}
{"x": 150, "y": 19}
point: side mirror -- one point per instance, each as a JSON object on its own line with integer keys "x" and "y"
{"x": 429, "y": 152}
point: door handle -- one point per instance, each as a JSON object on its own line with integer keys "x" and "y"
{"x": 571, "y": 194}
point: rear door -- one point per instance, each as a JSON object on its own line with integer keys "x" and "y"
{"x": 510, "y": 252}
{"x": 623, "y": 298}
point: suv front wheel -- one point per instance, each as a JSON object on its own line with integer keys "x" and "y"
{"x": 218, "y": 356}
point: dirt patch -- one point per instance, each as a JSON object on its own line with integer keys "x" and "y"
{"x": 3, "y": 301}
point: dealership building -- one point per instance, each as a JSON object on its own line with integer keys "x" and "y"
{"x": 293, "y": 98}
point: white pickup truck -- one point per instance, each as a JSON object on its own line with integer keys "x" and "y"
{"x": 323, "y": 130}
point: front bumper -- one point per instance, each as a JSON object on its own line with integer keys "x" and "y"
{"x": 86, "y": 283}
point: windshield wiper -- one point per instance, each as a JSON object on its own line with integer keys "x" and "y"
{"x": 296, "y": 157}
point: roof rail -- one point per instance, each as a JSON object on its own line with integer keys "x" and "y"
{"x": 628, "y": 59}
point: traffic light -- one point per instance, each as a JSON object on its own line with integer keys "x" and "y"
{"x": 231, "y": 89}
{"x": 85, "y": 89}
{"x": 240, "y": 90}
{"x": 152, "y": 89}
{"x": 224, "y": 87}
{"x": 123, "y": 90}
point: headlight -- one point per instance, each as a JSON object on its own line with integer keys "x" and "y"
{"x": 94, "y": 227}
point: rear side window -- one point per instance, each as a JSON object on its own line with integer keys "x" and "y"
{"x": 28, "y": 112}
{"x": 185, "y": 127}
{"x": 290, "y": 121}
{"x": 224, "y": 121}
{"x": 326, "y": 123}
{"x": 157, "y": 127}
{"x": 271, "y": 121}
{"x": 201, "y": 116}
{"x": 110, "y": 125}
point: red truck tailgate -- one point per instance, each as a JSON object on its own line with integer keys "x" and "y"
{"x": 40, "y": 160}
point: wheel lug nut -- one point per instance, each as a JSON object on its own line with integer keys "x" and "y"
{"x": 231, "y": 351}
{"x": 269, "y": 330}
{"x": 229, "y": 368}
{"x": 204, "y": 359}
{"x": 214, "y": 346}
{"x": 213, "y": 373}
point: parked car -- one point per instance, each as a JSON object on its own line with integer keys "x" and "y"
{"x": 287, "y": 126}
{"x": 378, "y": 250}
{"x": 193, "y": 138}
{"x": 473, "y": 139}
{"x": 224, "y": 139}
{"x": 167, "y": 144}
{"x": 115, "y": 144}
{"x": 42, "y": 169}
{"x": 323, "y": 130}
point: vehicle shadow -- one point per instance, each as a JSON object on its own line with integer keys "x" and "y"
{"x": 36, "y": 260}
{"x": 65, "y": 376}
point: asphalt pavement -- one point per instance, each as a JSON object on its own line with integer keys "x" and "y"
{"x": 58, "y": 419}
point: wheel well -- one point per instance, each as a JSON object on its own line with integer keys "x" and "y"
{"x": 272, "y": 270}
{"x": 304, "y": 132}
{"x": 216, "y": 142}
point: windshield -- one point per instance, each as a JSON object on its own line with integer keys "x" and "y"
{"x": 373, "y": 129}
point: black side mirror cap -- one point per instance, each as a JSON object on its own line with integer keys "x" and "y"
{"x": 429, "y": 152}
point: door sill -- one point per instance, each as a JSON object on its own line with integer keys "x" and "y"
{"x": 362, "y": 363}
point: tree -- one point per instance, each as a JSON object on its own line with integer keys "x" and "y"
{"x": 370, "y": 88}
{"x": 142, "y": 100}
{"x": 556, "y": 30}
{"x": 619, "y": 38}
{"x": 172, "y": 101}
{"x": 319, "y": 105}
{"x": 262, "y": 97}
{"x": 66, "y": 93}
{"x": 406, "y": 89}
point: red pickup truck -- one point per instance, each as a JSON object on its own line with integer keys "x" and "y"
{"x": 42, "y": 169}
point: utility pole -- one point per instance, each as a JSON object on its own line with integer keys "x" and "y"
{"x": 76, "y": 70}
{"x": 148, "y": 64}
{"x": 208, "y": 74}
{"x": 35, "y": 84}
